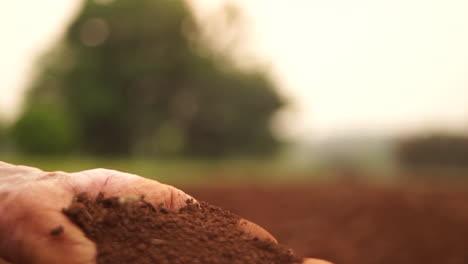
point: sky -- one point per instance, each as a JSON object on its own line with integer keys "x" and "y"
{"x": 347, "y": 67}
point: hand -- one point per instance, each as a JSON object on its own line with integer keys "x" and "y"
{"x": 31, "y": 203}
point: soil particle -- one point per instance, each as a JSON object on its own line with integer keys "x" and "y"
{"x": 56, "y": 231}
{"x": 140, "y": 233}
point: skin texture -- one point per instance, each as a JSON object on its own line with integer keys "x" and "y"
{"x": 31, "y": 201}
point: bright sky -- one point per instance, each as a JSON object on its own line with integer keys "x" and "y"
{"x": 348, "y": 66}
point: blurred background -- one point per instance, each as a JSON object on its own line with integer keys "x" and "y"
{"x": 353, "y": 111}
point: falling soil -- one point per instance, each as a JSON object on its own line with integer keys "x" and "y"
{"x": 137, "y": 232}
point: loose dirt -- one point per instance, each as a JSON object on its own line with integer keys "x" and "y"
{"x": 135, "y": 231}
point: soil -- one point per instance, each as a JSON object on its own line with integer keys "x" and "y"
{"x": 135, "y": 231}
{"x": 355, "y": 224}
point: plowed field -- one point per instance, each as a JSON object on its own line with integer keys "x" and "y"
{"x": 355, "y": 224}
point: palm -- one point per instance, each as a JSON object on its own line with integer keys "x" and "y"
{"x": 31, "y": 203}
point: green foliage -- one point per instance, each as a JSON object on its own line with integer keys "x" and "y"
{"x": 177, "y": 171}
{"x": 128, "y": 74}
{"x": 2, "y": 135}
{"x": 434, "y": 151}
{"x": 45, "y": 129}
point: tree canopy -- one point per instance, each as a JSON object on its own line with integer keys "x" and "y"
{"x": 128, "y": 78}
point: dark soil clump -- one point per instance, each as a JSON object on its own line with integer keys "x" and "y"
{"x": 138, "y": 232}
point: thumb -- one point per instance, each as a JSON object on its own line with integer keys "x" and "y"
{"x": 259, "y": 232}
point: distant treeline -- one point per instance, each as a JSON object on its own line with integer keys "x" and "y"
{"x": 433, "y": 151}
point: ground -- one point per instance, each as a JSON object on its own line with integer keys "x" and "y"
{"x": 347, "y": 223}
{"x": 355, "y": 224}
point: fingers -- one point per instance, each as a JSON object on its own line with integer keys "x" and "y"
{"x": 33, "y": 220}
{"x": 115, "y": 183}
{"x": 4, "y": 164}
{"x": 7, "y": 169}
{"x": 261, "y": 233}
{"x": 157, "y": 193}
{"x": 255, "y": 230}
{"x": 109, "y": 182}
{"x": 315, "y": 261}
{"x": 33, "y": 230}
{"x": 12, "y": 175}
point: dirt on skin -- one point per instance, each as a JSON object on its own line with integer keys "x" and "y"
{"x": 356, "y": 224}
{"x": 135, "y": 231}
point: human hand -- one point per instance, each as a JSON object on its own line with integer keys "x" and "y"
{"x": 31, "y": 203}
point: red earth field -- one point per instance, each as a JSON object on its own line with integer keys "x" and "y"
{"x": 355, "y": 224}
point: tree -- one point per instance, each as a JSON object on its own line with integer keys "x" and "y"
{"x": 45, "y": 129}
{"x": 131, "y": 77}
{"x": 2, "y": 134}
{"x": 434, "y": 151}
